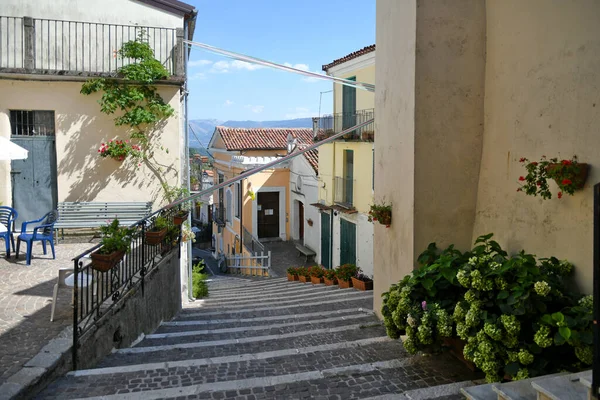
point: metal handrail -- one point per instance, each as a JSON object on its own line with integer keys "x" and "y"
{"x": 251, "y": 242}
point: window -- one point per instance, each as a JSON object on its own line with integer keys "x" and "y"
{"x": 32, "y": 123}
{"x": 229, "y": 206}
{"x": 221, "y": 200}
{"x": 238, "y": 199}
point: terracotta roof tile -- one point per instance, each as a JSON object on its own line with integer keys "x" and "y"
{"x": 363, "y": 51}
{"x": 262, "y": 138}
{"x": 312, "y": 156}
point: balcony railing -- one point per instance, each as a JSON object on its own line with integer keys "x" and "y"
{"x": 335, "y": 123}
{"x": 219, "y": 214}
{"x": 251, "y": 242}
{"x": 96, "y": 292}
{"x": 343, "y": 191}
{"x": 69, "y": 47}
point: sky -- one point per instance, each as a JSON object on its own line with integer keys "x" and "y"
{"x": 302, "y": 33}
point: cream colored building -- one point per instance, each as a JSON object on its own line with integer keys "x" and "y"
{"x": 49, "y": 49}
{"x": 464, "y": 90}
{"x": 346, "y": 166}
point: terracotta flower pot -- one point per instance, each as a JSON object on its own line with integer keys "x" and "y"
{"x": 344, "y": 284}
{"x": 303, "y": 278}
{"x": 316, "y": 281}
{"x": 179, "y": 218}
{"x": 292, "y": 277}
{"x": 105, "y": 262}
{"x": 331, "y": 282}
{"x": 578, "y": 178}
{"x": 362, "y": 285}
{"x": 155, "y": 237}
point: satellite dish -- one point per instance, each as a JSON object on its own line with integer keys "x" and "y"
{"x": 291, "y": 143}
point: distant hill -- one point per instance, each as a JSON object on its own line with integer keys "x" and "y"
{"x": 204, "y": 128}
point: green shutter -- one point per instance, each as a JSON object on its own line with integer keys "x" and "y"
{"x": 348, "y": 242}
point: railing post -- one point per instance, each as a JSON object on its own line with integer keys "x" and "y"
{"x": 178, "y": 57}
{"x": 596, "y": 293}
{"x": 269, "y": 264}
{"x": 28, "y": 43}
{"x": 75, "y": 313}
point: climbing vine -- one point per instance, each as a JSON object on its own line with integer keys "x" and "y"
{"x": 132, "y": 93}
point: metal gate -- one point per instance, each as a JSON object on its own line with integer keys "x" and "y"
{"x": 34, "y": 188}
{"x": 325, "y": 240}
{"x": 348, "y": 242}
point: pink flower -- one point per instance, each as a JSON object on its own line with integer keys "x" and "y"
{"x": 424, "y": 305}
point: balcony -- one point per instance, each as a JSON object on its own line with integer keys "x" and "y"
{"x": 343, "y": 192}
{"x": 335, "y": 123}
{"x": 219, "y": 214}
{"x": 73, "y": 48}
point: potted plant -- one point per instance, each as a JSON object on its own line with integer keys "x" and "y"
{"x": 115, "y": 243}
{"x": 362, "y": 281}
{"x": 303, "y": 274}
{"x": 119, "y": 149}
{"x": 368, "y": 136}
{"x": 330, "y": 277}
{"x": 570, "y": 175}
{"x": 316, "y": 274}
{"x": 156, "y": 234}
{"x": 171, "y": 238}
{"x": 381, "y": 213}
{"x": 344, "y": 275}
{"x": 195, "y": 183}
{"x": 292, "y": 274}
{"x": 174, "y": 193}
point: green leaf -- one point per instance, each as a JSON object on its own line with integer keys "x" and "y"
{"x": 511, "y": 300}
{"x": 586, "y": 337}
{"x": 427, "y": 283}
{"x": 484, "y": 238}
{"x": 558, "y": 317}
{"x": 558, "y": 339}
{"x": 502, "y": 295}
{"x": 547, "y": 319}
{"x": 511, "y": 369}
{"x": 564, "y": 332}
{"x": 449, "y": 274}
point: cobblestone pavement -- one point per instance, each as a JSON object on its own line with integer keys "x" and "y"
{"x": 25, "y": 302}
{"x": 268, "y": 339}
{"x": 284, "y": 255}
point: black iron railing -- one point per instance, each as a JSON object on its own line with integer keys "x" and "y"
{"x": 59, "y": 45}
{"x": 335, "y": 123}
{"x": 219, "y": 214}
{"x": 251, "y": 242}
{"x": 96, "y": 292}
{"x": 596, "y": 292}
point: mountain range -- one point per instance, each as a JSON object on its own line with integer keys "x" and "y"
{"x": 201, "y": 130}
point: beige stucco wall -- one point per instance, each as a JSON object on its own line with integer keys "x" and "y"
{"x": 80, "y": 129}
{"x": 429, "y": 121}
{"x": 541, "y": 98}
{"x": 364, "y": 100}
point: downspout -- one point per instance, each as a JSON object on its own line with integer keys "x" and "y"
{"x": 187, "y": 155}
{"x": 331, "y": 233}
{"x": 241, "y": 215}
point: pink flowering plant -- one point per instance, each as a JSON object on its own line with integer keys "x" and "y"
{"x": 569, "y": 175}
{"x": 119, "y": 149}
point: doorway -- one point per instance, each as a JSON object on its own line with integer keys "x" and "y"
{"x": 268, "y": 214}
{"x": 325, "y": 240}
{"x": 300, "y": 221}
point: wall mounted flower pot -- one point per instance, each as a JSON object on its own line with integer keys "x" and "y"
{"x": 331, "y": 282}
{"x": 292, "y": 277}
{"x": 155, "y": 237}
{"x": 304, "y": 279}
{"x": 362, "y": 285}
{"x": 578, "y": 177}
{"x": 105, "y": 262}
{"x": 344, "y": 284}
{"x": 316, "y": 281}
{"x": 179, "y": 218}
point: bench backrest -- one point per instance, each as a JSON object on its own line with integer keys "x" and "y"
{"x": 93, "y": 214}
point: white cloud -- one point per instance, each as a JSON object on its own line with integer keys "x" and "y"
{"x": 255, "y": 109}
{"x": 199, "y": 63}
{"x": 228, "y": 103}
{"x": 221, "y": 67}
{"x": 299, "y": 112}
{"x": 197, "y": 76}
{"x": 303, "y": 67}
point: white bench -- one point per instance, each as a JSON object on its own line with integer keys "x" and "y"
{"x": 307, "y": 252}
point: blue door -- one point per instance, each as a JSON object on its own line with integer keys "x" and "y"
{"x": 325, "y": 240}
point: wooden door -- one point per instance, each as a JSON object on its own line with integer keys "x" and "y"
{"x": 268, "y": 214}
{"x": 347, "y": 242}
{"x": 325, "y": 240}
{"x": 300, "y": 221}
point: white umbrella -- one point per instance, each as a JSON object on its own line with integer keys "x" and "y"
{"x": 11, "y": 151}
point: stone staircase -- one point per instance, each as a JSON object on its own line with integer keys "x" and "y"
{"x": 268, "y": 339}
{"x": 562, "y": 386}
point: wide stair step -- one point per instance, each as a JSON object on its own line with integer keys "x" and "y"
{"x": 269, "y": 339}
{"x": 560, "y": 386}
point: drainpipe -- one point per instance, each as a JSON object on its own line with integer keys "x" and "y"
{"x": 187, "y": 156}
{"x": 331, "y": 234}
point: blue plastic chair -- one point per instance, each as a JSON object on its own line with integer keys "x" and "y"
{"x": 41, "y": 233}
{"x": 8, "y": 216}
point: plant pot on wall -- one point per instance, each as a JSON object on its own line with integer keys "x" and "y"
{"x": 577, "y": 178}
{"x": 105, "y": 262}
{"x": 361, "y": 284}
{"x": 179, "y": 218}
{"x": 344, "y": 284}
{"x": 155, "y": 237}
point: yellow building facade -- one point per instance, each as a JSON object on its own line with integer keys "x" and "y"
{"x": 346, "y": 171}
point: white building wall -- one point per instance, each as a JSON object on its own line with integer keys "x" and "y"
{"x": 299, "y": 167}
{"x": 364, "y": 240}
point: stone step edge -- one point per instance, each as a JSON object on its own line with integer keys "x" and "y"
{"x": 229, "y": 359}
{"x": 257, "y": 382}
{"x": 356, "y": 297}
{"x": 252, "y": 339}
{"x": 293, "y": 300}
{"x": 271, "y": 318}
{"x": 428, "y": 393}
{"x": 271, "y": 293}
{"x": 252, "y": 327}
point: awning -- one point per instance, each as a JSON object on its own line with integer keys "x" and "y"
{"x": 11, "y": 151}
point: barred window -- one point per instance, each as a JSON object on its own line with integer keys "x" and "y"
{"x": 32, "y": 123}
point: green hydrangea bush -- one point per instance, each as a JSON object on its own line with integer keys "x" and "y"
{"x": 514, "y": 313}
